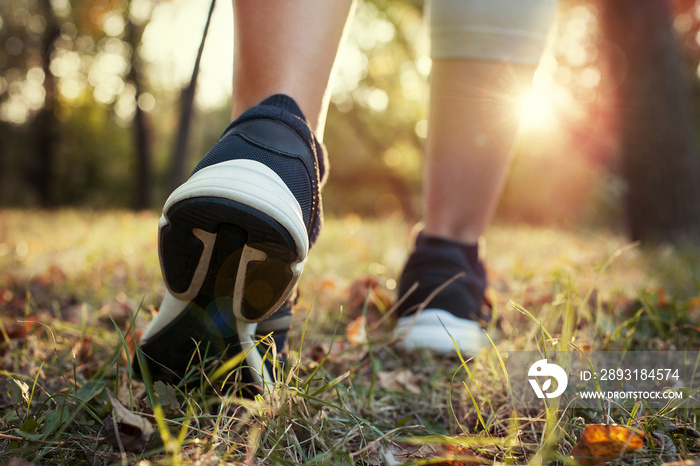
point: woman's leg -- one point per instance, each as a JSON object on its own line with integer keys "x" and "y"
{"x": 287, "y": 47}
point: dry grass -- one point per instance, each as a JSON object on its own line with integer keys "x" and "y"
{"x": 75, "y": 286}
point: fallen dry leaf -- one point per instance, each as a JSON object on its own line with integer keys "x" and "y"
{"x": 130, "y": 392}
{"x": 167, "y": 399}
{"x": 18, "y": 462}
{"x": 339, "y": 356}
{"x": 402, "y": 380}
{"x": 394, "y": 453}
{"x": 662, "y": 297}
{"x": 18, "y": 391}
{"x": 602, "y": 442}
{"x": 324, "y": 350}
{"x": 683, "y": 463}
{"x": 366, "y": 292}
{"x": 132, "y": 431}
{"x": 83, "y": 349}
{"x": 357, "y": 331}
{"x": 19, "y": 329}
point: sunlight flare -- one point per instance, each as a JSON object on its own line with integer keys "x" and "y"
{"x": 536, "y": 109}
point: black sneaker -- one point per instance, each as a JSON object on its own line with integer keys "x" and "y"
{"x": 442, "y": 299}
{"x": 233, "y": 240}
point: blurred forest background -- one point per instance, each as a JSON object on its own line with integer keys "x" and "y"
{"x": 110, "y": 103}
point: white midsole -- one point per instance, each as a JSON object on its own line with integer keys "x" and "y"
{"x": 256, "y": 366}
{"x": 440, "y": 331}
{"x": 170, "y": 308}
{"x": 253, "y": 184}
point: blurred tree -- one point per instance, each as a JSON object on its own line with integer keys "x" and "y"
{"x": 660, "y": 160}
{"x": 78, "y": 113}
{"x": 142, "y": 128}
{"x": 29, "y": 33}
{"x": 182, "y": 137}
{"x": 44, "y": 128}
{"x": 70, "y": 73}
{"x": 377, "y": 119}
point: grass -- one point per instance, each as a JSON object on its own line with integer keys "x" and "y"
{"x": 76, "y": 286}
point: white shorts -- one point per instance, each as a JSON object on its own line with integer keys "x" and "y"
{"x": 512, "y": 31}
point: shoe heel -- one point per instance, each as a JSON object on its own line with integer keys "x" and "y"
{"x": 233, "y": 230}
{"x": 204, "y": 255}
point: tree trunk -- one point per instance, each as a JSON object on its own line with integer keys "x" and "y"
{"x": 177, "y": 167}
{"x": 142, "y": 131}
{"x": 660, "y": 160}
{"x": 44, "y": 129}
{"x": 142, "y": 136}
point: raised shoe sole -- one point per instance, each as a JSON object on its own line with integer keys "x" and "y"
{"x": 232, "y": 245}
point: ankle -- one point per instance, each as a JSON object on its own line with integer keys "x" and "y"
{"x": 469, "y": 250}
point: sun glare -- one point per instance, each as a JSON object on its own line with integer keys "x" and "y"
{"x": 536, "y": 109}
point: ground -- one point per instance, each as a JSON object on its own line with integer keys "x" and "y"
{"x": 76, "y": 287}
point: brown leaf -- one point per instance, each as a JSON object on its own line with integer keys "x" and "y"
{"x": 83, "y": 349}
{"x": 130, "y": 392}
{"x": 358, "y": 294}
{"x": 18, "y": 330}
{"x": 683, "y": 463}
{"x": 337, "y": 357}
{"x": 132, "y": 431}
{"x": 601, "y": 442}
{"x": 452, "y": 454}
{"x": 366, "y": 292}
{"x": 18, "y": 462}
{"x": 402, "y": 380}
{"x": 662, "y": 297}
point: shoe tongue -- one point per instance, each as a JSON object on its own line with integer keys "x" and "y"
{"x": 286, "y": 103}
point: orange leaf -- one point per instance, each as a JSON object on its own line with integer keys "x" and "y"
{"x": 357, "y": 331}
{"x": 367, "y": 297}
{"x": 662, "y": 297}
{"x": 601, "y": 442}
{"x": 694, "y": 303}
